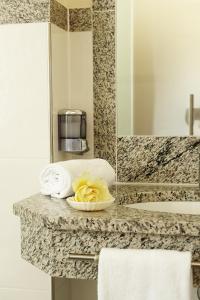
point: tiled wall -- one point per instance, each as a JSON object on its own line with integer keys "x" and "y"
{"x": 24, "y": 85}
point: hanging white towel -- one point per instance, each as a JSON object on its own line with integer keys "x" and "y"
{"x": 56, "y": 179}
{"x": 144, "y": 275}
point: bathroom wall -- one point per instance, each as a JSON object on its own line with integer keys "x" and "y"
{"x": 72, "y": 71}
{"x": 25, "y": 128}
{"x": 81, "y": 77}
{"x": 81, "y": 69}
{"x": 60, "y": 47}
{"x": 24, "y": 149}
{"x": 18, "y": 280}
{"x": 44, "y": 63}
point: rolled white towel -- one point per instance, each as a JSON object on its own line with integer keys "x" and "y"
{"x": 56, "y": 179}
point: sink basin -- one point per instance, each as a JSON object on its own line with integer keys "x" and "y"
{"x": 184, "y": 207}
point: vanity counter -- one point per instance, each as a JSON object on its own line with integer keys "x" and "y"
{"x": 56, "y": 214}
{"x": 50, "y": 230}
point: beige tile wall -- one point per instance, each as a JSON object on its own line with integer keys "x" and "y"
{"x": 24, "y": 148}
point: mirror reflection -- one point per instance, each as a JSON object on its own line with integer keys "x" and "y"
{"x": 158, "y": 67}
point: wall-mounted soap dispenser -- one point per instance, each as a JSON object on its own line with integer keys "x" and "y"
{"x": 72, "y": 131}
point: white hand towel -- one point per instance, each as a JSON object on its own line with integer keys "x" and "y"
{"x": 144, "y": 275}
{"x": 56, "y": 179}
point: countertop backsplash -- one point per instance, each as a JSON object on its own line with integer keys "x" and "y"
{"x": 158, "y": 159}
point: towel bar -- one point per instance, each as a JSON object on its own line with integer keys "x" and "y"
{"x": 83, "y": 256}
{"x": 95, "y": 258}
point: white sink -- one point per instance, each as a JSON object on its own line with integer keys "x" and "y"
{"x": 184, "y": 207}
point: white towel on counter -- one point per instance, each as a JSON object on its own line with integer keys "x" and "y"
{"x": 56, "y": 179}
{"x": 144, "y": 275}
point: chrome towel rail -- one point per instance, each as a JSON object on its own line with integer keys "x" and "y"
{"x": 95, "y": 258}
{"x": 196, "y": 264}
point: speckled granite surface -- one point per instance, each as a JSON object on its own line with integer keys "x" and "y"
{"x": 102, "y": 5}
{"x": 59, "y": 15}
{"x": 50, "y": 230}
{"x": 24, "y": 11}
{"x": 158, "y": 159}
{"x": 80, "y": 19}
{"x": 33, "y": 11}
{"x": 104, "y": 80}
{"x": 130, "y": 193}
{"x": 56, "y": 214}
{"x": 47, "y": 249}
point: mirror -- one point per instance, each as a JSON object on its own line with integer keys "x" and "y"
{"x": 158, "y": 67}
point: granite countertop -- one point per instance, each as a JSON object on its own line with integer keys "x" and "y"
{"x": 56, "y": 214}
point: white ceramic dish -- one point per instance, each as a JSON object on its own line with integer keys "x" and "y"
{"x": 89, "y": 206}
